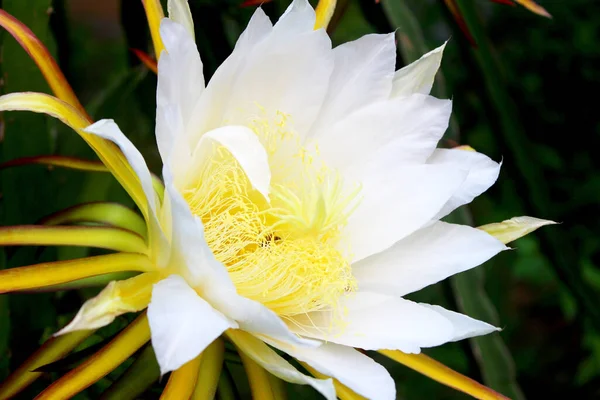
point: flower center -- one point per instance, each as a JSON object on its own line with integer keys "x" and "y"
{"x": 285, "y": 252}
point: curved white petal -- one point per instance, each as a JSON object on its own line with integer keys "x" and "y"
{"x": 180, "y": 85}
{"x": 483, "y": 172}
{"x": 352, "y": 368}
{"x": 179, "y": 11}
{"x": 264, "y": 356}
{"x": 244, "y": 146}
{"x": 298, "y": 18}
{"x": 397, "y": 201}
{"x": 108, "y": 129}
{"x": 464, "y": 327}
{"x": 209, "y": 109}
{"x": 281, "y": 74}
{"x": 429, "y": 255}
{"x": 418, "y": 76}
{"x": 196, "y": 262}
{"x": 182, "y": 324}
{"x": 362, "y": 74}
{"x": 374, "y": 321}
{"x": 406, "y": 129}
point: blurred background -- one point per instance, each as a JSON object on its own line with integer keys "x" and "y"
{"x": 522, "y": 87}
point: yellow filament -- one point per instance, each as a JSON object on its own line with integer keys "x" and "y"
{"x": 283, "y": 252}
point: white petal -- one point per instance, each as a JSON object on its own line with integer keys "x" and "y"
{"x": 397, "y": 201}
{"x": 279, "y": 75}
{"x": 108, "y": 129}
{"x": 182, "y": 324}
{"x": 352, "y": 368}
{"x": 374, "y": 321}
{"x": 179, "y": 11}
{"x": 418, "y": 76}
{"x": 298, "y": 18}
{"x": 198, "y": 265}
{"x": 180, "y": 84}
{"x": 264, "y": 356}
{"x": 362, "y": 74}
{"x": 483, "y": 172}
{"x": 406, "y": 129}
{"x": 464, "y": 327}
{"x": 514, "y": 228}
{"x": 427, "y": 256}
{"x": 244, "y": 146}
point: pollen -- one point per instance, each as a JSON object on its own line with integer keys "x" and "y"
{"x": 285, "y": 251}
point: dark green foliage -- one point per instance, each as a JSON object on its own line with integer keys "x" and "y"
{"x": 524, "y": 95}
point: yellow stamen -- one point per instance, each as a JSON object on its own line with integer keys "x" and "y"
{"x": 446, "y": 376}
{"x": 90, "y": 236}
{"x": 101, "y": 363}
{"x": 53, "y": 273}
{"x": 52, "y": 350}
{"x": 283, "y": 252}
{"x": 210, "y": 371}
{"x": 182, "y": 381}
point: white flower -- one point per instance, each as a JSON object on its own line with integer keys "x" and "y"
{"x": 303, "y": 197}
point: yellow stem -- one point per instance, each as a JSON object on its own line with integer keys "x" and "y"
{"x": 88, "y": 236}
{"x": 446, "y": 376}
{"x": 182, "y": 381}
{"x": 210, "y": 371}
{"x": 52, "y": 350}
{"x": 101, "y": 363}
{"x": 155, "y": 13}
{"x": 53, "y": 273}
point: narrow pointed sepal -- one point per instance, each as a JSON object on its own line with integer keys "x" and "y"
{"x": 154, "y": 14}
{"x": 117, "y": 298}
{"x": 182, "y": 381}
{"x": 439, "y": 372}
{"x": 139, "y": 376}
{"x": 54, "y": 273}
{"x": 42, "y": 57}
{"x": 324, "y": 13}
{"x": 534, "y": 8}
{"x": 179, "y": 11}
{"x": 111, "y": 214}
{"x": 87, "y": 236}
{"x": 210, "y": 371}
{"x": 107, "y": 151}
{"x": 101, "y": 363}
{"x": 146, "y": 60}
{"x": 52, "y": 350}
{"x": 514, "y": 228}
{"x": 343, "y": 392}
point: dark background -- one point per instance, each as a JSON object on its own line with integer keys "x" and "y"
{"x": 524, "y": 94}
